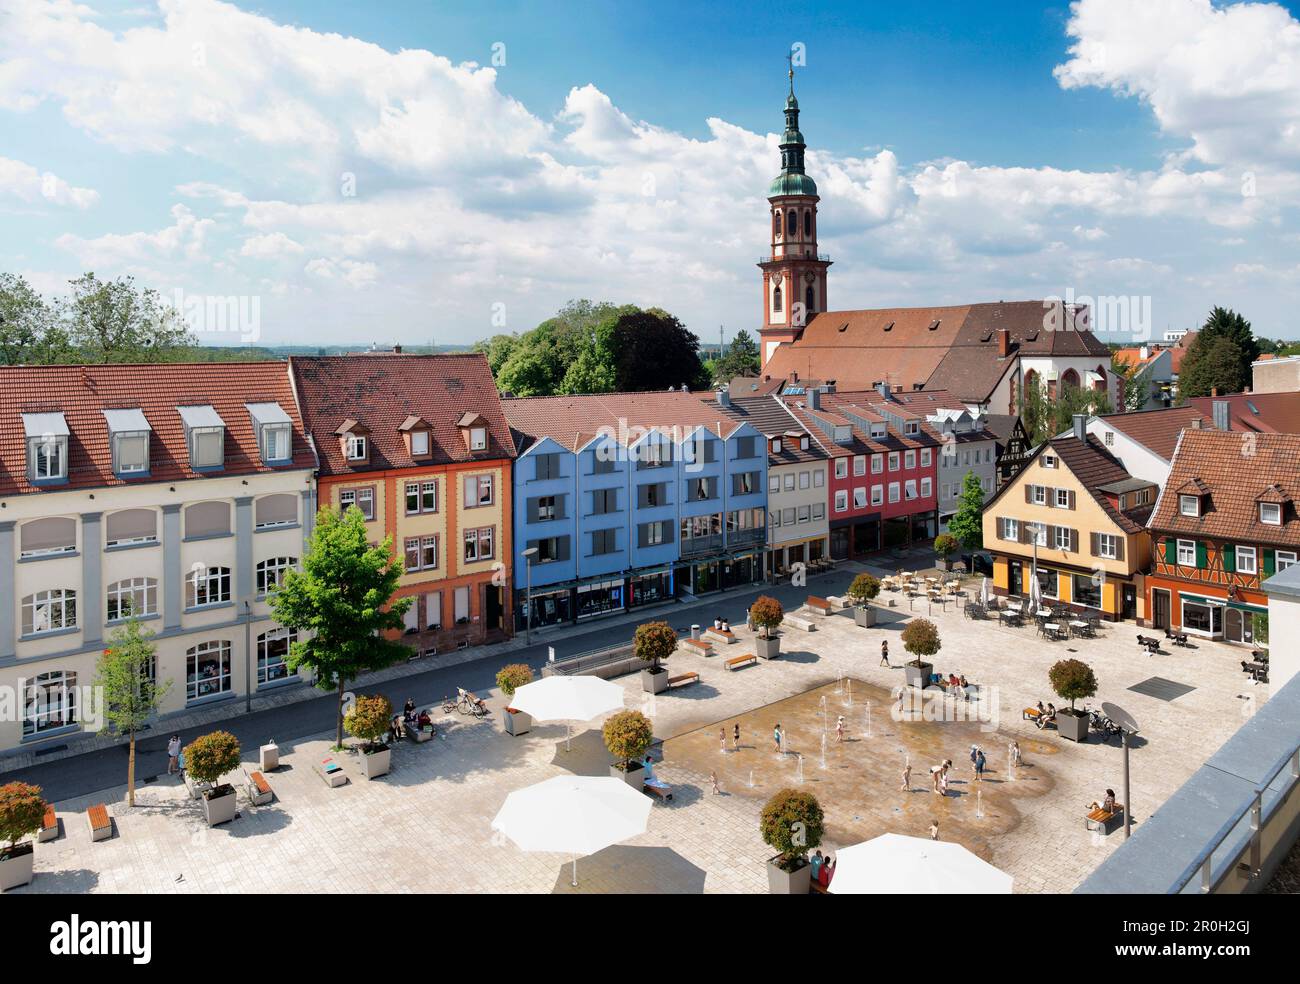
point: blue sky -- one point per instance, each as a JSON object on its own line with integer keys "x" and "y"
{"x": 287, "y": 153}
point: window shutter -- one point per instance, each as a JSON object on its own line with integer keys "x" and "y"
{"x": 1202, "y": 560}
{"x": 1229, "y": 558}
{"x": 1049, "y": 497}
{"x": 1094, "y": 544}
{"x": 1171, "y": 550}
{"x": 1029, "y": 493}
{"x": 1270, "y": 563}
{"x": 1071, "y": 495}
{"x": 643, "y": 535}
{"x": 1074, "y": 541}
{"x": 1119, "y": 547}
{"x": 531, "y": 510}
{"x": 562, "y": 548}
{"x": 559, "y": 506}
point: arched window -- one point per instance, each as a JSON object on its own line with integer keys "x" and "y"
{"x": 207, "y": 586}
{"x": 776, "y": 224}
{"x": 271, "y": 572}
{"x": 272, "y": 651}
{"x": 47, "y": 537}
{"x": 776, "y": 297}
{"x": 791, "y": 222}
{"x": 280, "y": 509}
{"x": 49, "y": 611}
{"x": 1100, "y": 385}
{"x": 810, "y": 299}
{"x": 207, "y": 519}
{"x": 136, "y": 596}
{"x": 131, "y": 526}
{"x": 807, "y": 223}
{"x": 1070, "y": 379}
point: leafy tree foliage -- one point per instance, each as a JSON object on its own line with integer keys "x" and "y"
{"x": 792, "y": 821}
{"x": 967, "y": 523}
{"x": 132, "y": 696}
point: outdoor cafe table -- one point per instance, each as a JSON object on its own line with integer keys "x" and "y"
{"x": 1078, "y": 626}
{"x": 1044, "y": 613}
{"x": 1052, "y": 627}
{"x": 1008, "y": 615}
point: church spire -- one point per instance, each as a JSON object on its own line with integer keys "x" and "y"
{"x": 792, "y": 180}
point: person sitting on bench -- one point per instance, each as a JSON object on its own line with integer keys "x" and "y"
{"x": 1046, "y": 717}
{"x": 1107, "y": 805}
{"x": 717, "y": 624}
{"x": 424, "y": 721}
{"x": 396, "y": 728}
{"x": 408, "y": 712}
{"x": 725, "y": 626}
{"x": 953, "y": 681}
{"x": 650, "y": 778}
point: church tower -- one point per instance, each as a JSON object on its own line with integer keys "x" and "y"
{"x": 794, "y": 275}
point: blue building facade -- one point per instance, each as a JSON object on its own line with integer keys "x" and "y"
{"x": 614, "y": 520}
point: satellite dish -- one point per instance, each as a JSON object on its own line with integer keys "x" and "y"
{"x": 1122, "y": 718}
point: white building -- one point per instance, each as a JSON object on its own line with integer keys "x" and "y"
{"x": 176, "y": 494}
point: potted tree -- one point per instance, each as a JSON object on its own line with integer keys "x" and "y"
{"x": 791, "y": 822}
{"x": 368, "y": 719}
{"x": 510, "y": 678}
{"x": 921, "y": 639}
{"x": 207, "y": 759}
{"x": 653, "y": 642}
{"x": 861, "y": 592}
{"x": 945, "y": 545}
{"x": 766, "y": 613}
{"x": 1072, "y": 679}
{"x": 627, "y": 736}
{"x": 22, "y": 811}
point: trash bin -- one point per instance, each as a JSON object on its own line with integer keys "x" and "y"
{"x": 695, "y": 632}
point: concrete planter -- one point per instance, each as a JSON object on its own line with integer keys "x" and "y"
{"x": 16, "y": 867}
{"x": 768, "y": 648}
{"x": 918, "y": 675}
{"x": 517, "y": 722}
{"x": 654, "y": 681}
{"x": 197, "y": 789}
{"x": 375, "y": 763}
{"x": 220, "y": 805}
{"x": 1072, "y": 726}
{"x": 634, "y": 776}
{"x": 781, "y": 882}
{"x": 865, "y": 616}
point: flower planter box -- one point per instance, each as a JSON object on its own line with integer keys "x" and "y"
{"x": 654, "y": 681}
{"x": 376, "y": 762}
{"x": 918, "y": 674}
{"x": 1072, "y": 726}
{"x": 865, "y": 616}
{"x": 634, "y": 776}
{"x": 516, "y": 722}
{"x": 782, "y": 882}
{"x": 16, "y": 867}
{"x": 220, "y": 805}
{"x": 768, "y": 648}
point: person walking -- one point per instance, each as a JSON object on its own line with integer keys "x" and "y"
{"x": 980, "y": 763}
{"x": 934, "y": 830}
{"x": 776, "y": 737}
{"x": 722, "y": 738}
{"x": 884, "y": 652}
{"x": 907, "y": 778}
{"x": 173, "y": 754}
{"x": 974, "y": 754}
{"x": 713, "y": 778}
{"x": 839, "y": 729}
{"x": 1014, "y": 749}
{"x": 735, "y": 737}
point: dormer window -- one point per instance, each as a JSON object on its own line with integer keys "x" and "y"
{"x": 1270, "y": 513}
{"x": 47, "y": 446}
{"x": 357, "y": 447}
{"x": 473, "y": 430}
{"x": 1189, "y": 505}
{"x": 354, "y": 441}
{"x": 776, "y": 445}
{"x": 419, "y": 441}
{"x": 478, "y": 438}
{"x": 128, "y": 435}
{"x": 803, "y": 442}
{"x": 419, "y": 444}
{"x": 205, "y": 435}
{"x": 274, "y": 432}
{"x": 878, "y": 432}
{"x": 911, "y": 427}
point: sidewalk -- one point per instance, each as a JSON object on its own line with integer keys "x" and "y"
{"x": 568, "y": 640}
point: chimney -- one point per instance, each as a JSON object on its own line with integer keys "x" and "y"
{"x": 1196, "y": 423}
{"x": 883, "y": 389}
{"x": 1144, "y": 352}
{"x": 1081, "y": 427}
{"x": 794, "y": 377}
{"x": 724, "y": 398}
{"x": 397, "y": 350}
{"x": 1214, "y": 391}
{"x": 1004, "y": 343}
{"x": 815, "y": 398}
{"x": 1221, "y": 421}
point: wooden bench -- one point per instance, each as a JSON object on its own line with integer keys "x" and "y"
{"x": 738, "y": 661}
{"x": 101, "y": 825}
{"x": 259, "y": 790}
{"x": 724, "y": 636}
{"x": 698, "y": 646}
{"x": 331, "y": 772}
{"x": 1101, "y": 819}
{"x": 819, "y": 605}
{"x": 49, "y": 826}
{"x": 683, "y": 679}
{"x": 1030, "y": 714}
{"x": 660, "y": 792}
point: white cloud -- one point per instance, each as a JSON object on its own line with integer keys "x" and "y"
{"x": 349, "y": 272}
{"x": 271, "y": 246}
{"x": 183, "y": 239}
{"x": 23, "y": 182}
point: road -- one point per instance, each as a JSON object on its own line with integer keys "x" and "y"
{"x": 103, "y": 768}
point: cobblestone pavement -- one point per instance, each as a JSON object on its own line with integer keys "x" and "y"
{"x": 425, "y": 827}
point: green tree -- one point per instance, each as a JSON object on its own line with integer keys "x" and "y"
{"x": 792, "y": 821}
{"x": 591, "y": 372}
{"x": 126, "y": 676}
{"x": 498, "y": 349}
{"x": 114, "y": 321}
{"x": 655, "y": 351}
{"x": 1210, "y": 366}
{"x": 30, "y": 331}
{"x": 22, "y": 811}
{"x": 534, "y": 367}
{"x": 967, "y": 523}
{"x": 1046, "y": 416}
{"x": 741, "y": 357}
{"x": 342, "y": 604}
{"x": 1133, "y": 390}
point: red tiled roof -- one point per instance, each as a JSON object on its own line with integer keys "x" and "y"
{"x": 769, "y": 417}
{"x": 82, "y": 393}
{"x": 1234, "y": 470}
{"x": 1263, "y": 412}
{"x": 1156, "y": 430}
{"x": 381, "y": 394}
{"x": 1093, "y": 466}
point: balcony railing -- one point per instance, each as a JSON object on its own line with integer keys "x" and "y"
{"x": 696, "y": 545}
{"x": 746, "y": 538}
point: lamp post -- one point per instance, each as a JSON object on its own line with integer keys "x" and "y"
{"x": 248, "y": 655}
{"x": 1127, "y": 726}
{"x": 528, "y": 556}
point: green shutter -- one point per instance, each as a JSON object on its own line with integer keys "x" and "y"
{"x": 1229, "y": 558}
{"x": 1171, "y": 550}
{"x": 1270, "y": 563}
{"x": 1202, "y": 560}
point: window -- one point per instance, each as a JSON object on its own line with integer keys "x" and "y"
{"x": 926, "y": 488}
{"x": 789, "y": 481}
{"x": 546, "y": 467}
{"x": 271, "y": 511}
{"x": 1048, "y": 461}
{"x": 860, "y": 497}
{"x": 363, "y": 499}
{"x": 776, "y": 297}
{"x": 47, "y": 537}
{"x": 207, "y": 668}
{"x": 842, "y": 501}
{"x": 603, "y": 542}
{"x": 419, "y": 444}
{"x": 1038, "y": 495}
{"x": 877, "y": 495}
{"x": 1284, "y": 559}
{"x": 773, "y": 484}
{"x": 893, "y": 461}
{"x": 207, "y": 447}
{"x": 433, "y": 610}
{"x": 699, "y": 489}
{"x": 604, "y": 501}
{"x": 1009, "y": 529}
{"x": 130, "y": 453}
{"x": 1247, "y": 560}
{"x": 925, "y": 458}
{"x": 819, "y": 479}
{"x": 545, "y": 509}
{"x": 1064, "y": 538}
{"x": 48, "y": 458}
{"x": 551, "y": 548}
{"x": 1270, "y": 513}
{"x": 49, "y": 611}
{"x": 131, "y": 526}
{"x": 745, "y": 447}
{"x": 429, "y": 552}
{"x": 776, "y": 445}
{"x": 272, "y": 654}
{"x": 893, "y": 492}
{"x": 841, "y": 467}
{"x": 478, "y": 491}
{"x": 818, "y": 511}
{"x": 478, "y": 544}
{"x": 909, "y": 460}
{"x": 1062, "y": 498}
{"x": 911, "y": 427}
{"x": 774, "y": 517}
{"x": 859, "y": 465}
{"x": 1187, "y": 553}
{"x": 744, "y": 483}
{"x": 1037, "y": 533}
{"x": 1109, "y": 438}
{"x": 602, "y": 461}
{"x": 1189, "y": 505}
{"x": 805, "y": 480}
{"x": 136, "y": 596}
{"x": 207, "y": 519}
{"x": 1047, "y": 583}
{"x": 274, "y": 442}
{"x": 804, "y": 514}
{"x": 652, "y": 534}
{"x": 877, "y": 464}
{"x": 1086, "y": 591}
{"x": 207, "y": 586}
{"x": 909, "y": 489}
{"x": 50, "y": 702}
{"x": 460, "y": 605}
{"x": 478, "y": 439}
{"x": 652, "y": 495}
{"x": 269, "y": 574}
{"x": 1107, "y": 546}
{"x": 356, "y": 447}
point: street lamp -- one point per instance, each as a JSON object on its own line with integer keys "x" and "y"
{"x": 1127, "y": 726}
{"x": 248, "y": 659}
{"x": 528, "y": 556}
